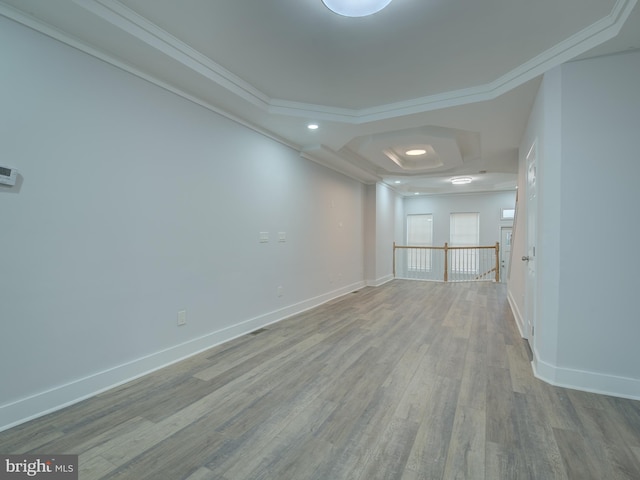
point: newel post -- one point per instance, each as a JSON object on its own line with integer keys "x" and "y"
{"x": 446, "y": 261}
{"x": 394, "y": 259}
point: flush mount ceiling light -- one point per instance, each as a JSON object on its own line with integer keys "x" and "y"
{"x": 461, "y": 180}
{"x": 415, "y": 152}
{"x": 312, "y": 126}
{"x": 355, "y": 8}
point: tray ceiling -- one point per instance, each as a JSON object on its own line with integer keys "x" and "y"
{"x": 454, "y": 77}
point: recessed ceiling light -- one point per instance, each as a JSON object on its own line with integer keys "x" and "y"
{"x": 397, "y": 182}
{"x": 416, "y": 151}
{"x": 313, "y": 126}
{"x": 417, "y": 193}
{"x": 355, "y": 8}
{"x": 461, "y": 180}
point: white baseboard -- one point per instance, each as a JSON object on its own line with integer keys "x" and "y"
{"x": 379, "y": 281}
{"x": 42, "y": 403}
{"x": 593, "y": 382}
{"x": 516, "y": 314}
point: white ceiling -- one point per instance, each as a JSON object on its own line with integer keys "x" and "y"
{"x": 456, "y": 77}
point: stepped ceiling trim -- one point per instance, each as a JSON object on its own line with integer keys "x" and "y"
{"x": 577, "y": 44}
{"x": 149, "y": 33}
{"x": 129, "y": 21}
{"x": 480, "y": 109}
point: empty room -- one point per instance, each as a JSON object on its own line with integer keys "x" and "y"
{"x": 314, "y": 239}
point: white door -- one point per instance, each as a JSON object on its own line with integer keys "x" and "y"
{"x": 505, "y": 252}
{"x": 530, "y": 257}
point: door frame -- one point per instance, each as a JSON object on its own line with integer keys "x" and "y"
{"x": 531, "y": 182}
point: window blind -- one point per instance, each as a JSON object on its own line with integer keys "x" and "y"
{"x": 420, "y": 230}
{"x": 464, "y": 229}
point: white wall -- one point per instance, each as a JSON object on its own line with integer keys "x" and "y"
{"x": 370, "y": 235}
{"x": 133, "y": 204}
{"x": 599, "y": 324}
{"x": 488, "y": 205}
{"x": 385, "y": 231}
{"x": 549, "y": 223}
{"x": 382, "y": 228}
{"x": 586, "y": 319}
{"x": 399, "y": 220}
{"x": 544, "y": 129}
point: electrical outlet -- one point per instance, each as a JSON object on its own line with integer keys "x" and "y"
{"x": 182, "y": 317}
{"x": 280, "y": 291}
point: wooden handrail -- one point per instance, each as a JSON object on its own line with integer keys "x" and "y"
{"x": 492, "y": 247}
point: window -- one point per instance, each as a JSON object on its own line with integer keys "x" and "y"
{"x": 507, "y": 213}
{"x": 420, "y": 229}
{"x": 464, "y": 231}
{"x": 419, "y": 233}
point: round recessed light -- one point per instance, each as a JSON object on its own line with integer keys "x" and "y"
{"x": 313, "y": 126}
{"x": 355, "y": 8}
{"x": 416, "y": 152}
{"x": 461, "y": 180}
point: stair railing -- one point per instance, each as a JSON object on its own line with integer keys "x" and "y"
{"x": 448, "y": 264}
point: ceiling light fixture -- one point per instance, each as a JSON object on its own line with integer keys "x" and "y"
{"x": 355, "y": 8}
{"x": 461, "y": 180}
{"x": 312, "y": 126}
{"x": 416, "y": 152}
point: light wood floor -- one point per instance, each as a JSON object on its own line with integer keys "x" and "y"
{"x": 411, "y": 380}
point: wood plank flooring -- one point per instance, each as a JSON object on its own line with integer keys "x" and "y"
{"x": 411, "y": 380}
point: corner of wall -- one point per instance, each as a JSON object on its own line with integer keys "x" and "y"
{"x": 516, "y": 313}
{"x": 593, "y": 382}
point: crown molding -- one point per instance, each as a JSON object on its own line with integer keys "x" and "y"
{"x": 127, "y": 20}
{"x": 56, "y": 34}
{"x": 579, "y": 43}
{"x": 329, "y": 158}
